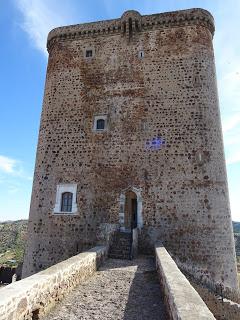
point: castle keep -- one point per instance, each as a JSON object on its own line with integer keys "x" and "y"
{"x": 130, "y": 134}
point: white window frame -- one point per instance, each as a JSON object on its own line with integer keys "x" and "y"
{"x": 96, "y": 118}
{"x": 62, "y": 188}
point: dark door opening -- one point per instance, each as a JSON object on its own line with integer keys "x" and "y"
{"x": 134, "y": 214}
{"x": 130, "y": 217}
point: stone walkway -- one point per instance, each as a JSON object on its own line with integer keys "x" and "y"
{"x": 120, "y": 290}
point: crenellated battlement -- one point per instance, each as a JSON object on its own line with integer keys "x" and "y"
{"x": 132, "y": 22}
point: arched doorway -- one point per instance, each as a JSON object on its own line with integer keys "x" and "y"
{"x": 130, "y": 210}
{"x": 130, "y": 215}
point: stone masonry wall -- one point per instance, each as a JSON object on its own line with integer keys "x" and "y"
{"x": 222, "y": 310}
{"x": 154, "y": 78}
{"x": 31, "y": 298}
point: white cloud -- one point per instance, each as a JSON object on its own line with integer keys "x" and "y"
{"x": 15, "y": 188}
{"x": 234, "y": 158}
{"x": 231, "y": 136}
{"x": 7, "y": 165}
{"x": 230, "y": 123}
{"x": 234, "y": 205}
{"x": 40, "y": 16}
{"x": 10, "y": 167}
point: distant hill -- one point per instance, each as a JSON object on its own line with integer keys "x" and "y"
{"x": 13, "y": 236}
{"x": 236, "y": 227}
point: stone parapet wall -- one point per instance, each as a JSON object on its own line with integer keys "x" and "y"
{"x": 134, "y": 244}
{"x": 32, "y": 297}
{"x": 183, "y": 302}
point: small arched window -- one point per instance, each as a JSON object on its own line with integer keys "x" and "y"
{"x": 66, "y": 203}
{"x": 100, "y": 124}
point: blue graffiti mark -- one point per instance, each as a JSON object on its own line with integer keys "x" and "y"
{"x": 156, "y": 143}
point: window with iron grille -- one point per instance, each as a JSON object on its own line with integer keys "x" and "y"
{"x": 66, "y": 203}
{"x": 66, "y": 199}
{"x": 89, "y": 53}
{"x": 100, "y": 124}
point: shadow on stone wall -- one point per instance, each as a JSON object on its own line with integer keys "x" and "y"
{"x": 6, "y": 274}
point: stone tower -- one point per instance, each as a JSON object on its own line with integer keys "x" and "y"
{"x": 130, "y": 133}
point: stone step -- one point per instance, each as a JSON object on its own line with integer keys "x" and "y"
{"x": 119, "y": 256}
{"x": 126, "y": 252}
{"x": 123, "y": 242}
{"x": 123, "y": 235}
{"x": 121, "y": 246}
{"x": 117, "y": 246}
{"x": 120, "y": 249}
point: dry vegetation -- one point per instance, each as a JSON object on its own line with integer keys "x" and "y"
{"x": 13, "y": 235}
{"x": 236, "y": 229}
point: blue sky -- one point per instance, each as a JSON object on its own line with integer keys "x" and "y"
{"x": 24, "y": 26}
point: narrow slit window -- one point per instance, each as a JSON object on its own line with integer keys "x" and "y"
{"x": 66, "y": 204}
{"x": 141, "y": 54}
{"x": 130, "y": 27}
{"x": 124, "y": 27}
{"x": 136, "y": 24}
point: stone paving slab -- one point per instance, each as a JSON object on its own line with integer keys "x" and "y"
{"x": 121, "y": 289}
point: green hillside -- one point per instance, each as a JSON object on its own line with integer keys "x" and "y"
{"x": 236, "y": 227}
{"x": 13, "y": 235}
